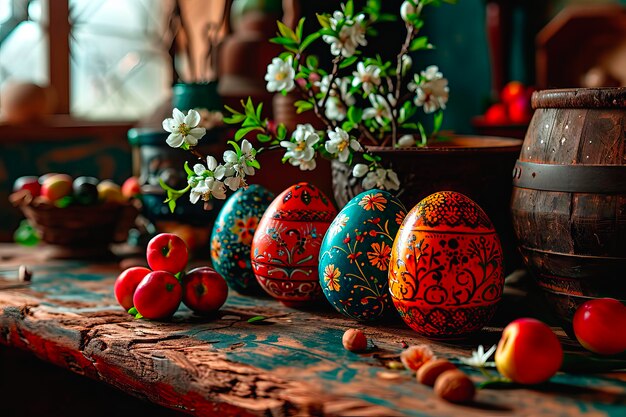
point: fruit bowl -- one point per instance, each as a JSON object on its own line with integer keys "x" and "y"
{"x": 80, "y": 228}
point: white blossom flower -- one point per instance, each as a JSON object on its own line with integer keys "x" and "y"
{"x": 280, "y": 75}
{"x": 339, "y": 98}
{"x": 385, "y": 179}
{"x": 339, "y": 143}
{"x": 238, "y": 165}
{"x": 210, "y": 119}
{"x": 367, "y": 77}
{"x": 360, "y": 170}
{"x": 183, "y": 129}
{"x": 431, "y": 89}
{"x": 349, "y": 37}
{"x": 300, "y": 148}
{"x": 479, "y": 357}
{"x": 407, "y": 8}
{"x": 406, "y": 63}
{"x": 305, "y": 165}
{"x": 380, "y": 110}
{"x": 358, "y": 33}
{"x": 206, "y": 188}
{"x": 406, "y": 141}
{"x": 334, "y": 109}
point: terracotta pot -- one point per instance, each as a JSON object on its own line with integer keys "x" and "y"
{"x": 479, "y": 167}
{"x": 569, "y": 196}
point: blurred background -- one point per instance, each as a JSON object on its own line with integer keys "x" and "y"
{"x": 76, "y": 76}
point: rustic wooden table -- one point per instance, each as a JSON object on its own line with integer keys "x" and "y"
{"x": 292, "y": 363}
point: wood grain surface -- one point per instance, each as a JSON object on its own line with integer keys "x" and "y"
{"x": 292, "y": 363}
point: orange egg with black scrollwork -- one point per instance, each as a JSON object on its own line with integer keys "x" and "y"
{"x": 446, "y": 271}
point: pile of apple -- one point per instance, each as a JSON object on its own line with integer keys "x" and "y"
{"x": 62, "y": 190}
{"x": 155, "y": 293}
{"x": 514, "y": 106}
{"x": 530, "y": 353}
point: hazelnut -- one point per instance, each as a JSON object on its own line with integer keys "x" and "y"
{"x": 429, "y": 372}
{"x": 416, "y": 356}
{"x": 455, "y": 386}
{"x": 354, "y": 340}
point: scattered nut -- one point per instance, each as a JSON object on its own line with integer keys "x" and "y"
{"x": 354, "y": 340}
{"x": 455, "y": 386}
{"x": 416, "y": 356}
{"x": 429, "y": 372}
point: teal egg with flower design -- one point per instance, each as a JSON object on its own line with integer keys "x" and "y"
{"x": 354, "y": 255}
{"x": 232, "y": 235}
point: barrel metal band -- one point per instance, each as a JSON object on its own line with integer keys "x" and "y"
{"x": 599, "y": 179}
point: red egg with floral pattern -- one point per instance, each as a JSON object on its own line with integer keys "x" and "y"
{"x": 286, "y": 244}
{"x": 446, "y": 272}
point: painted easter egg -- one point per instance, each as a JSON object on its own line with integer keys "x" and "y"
{"x": 231, "y": 240}
{"x": 286, "y": 245}
{"x": 446, "y": 270}
{"x": 354, "y": 256}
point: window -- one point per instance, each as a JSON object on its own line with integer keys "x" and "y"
{"x": 119, "y": 64}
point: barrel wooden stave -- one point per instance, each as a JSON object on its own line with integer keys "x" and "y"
{"x": 574, "y": 243}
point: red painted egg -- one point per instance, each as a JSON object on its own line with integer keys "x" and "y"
{"x": 446, "y": 270}
{"x": 286, "y": 244}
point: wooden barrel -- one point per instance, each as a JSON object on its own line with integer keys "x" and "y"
{"x": 569, "y": 196}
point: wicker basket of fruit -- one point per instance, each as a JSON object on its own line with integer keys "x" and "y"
{"x": 81, "y": 213}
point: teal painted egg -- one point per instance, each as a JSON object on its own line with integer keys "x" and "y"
{"x": 354, "y": 256}
{"x": 232, "y": 237}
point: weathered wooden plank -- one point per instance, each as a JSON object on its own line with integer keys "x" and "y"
{"x": 291, "y": 364}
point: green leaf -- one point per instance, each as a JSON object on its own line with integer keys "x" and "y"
{"x": 230, "y": 109}
{"x": 312, "y": 62}
{"x": 286, "y": 31}
{"x": 300, "y": 29}
{"x": 243, "y": 132}
{"x": 328, "y": 32}
{"x": 133, "y": 311}
{"x": 323, "y": 19}
{"x": 262, "y": 137}
{"x": 188, "y": 170}
{"x": 437, "y": 121}
{"x": 302, "y": 106}
{"x": 256, "y": 319}
{"x": 355, "y": 114}
{"x": 349, "y": 9}
{"x": 259, "y": 109}
{"x": 284, "y": 41}
{"x": 254, "y": 164}
{"x": 419, "y": 43}
{"x": 138, "y": 316}
{"x": 423, "y": 135}
{"x": 309, "y": 40}
{"x": 235, "y": 147}
{"x": 348, "y": 61}
{"x": 281, "y": 132}
{"x": 235, "y": 119}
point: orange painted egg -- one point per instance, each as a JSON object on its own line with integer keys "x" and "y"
{"x": 286, "y": 244}
{"x": 446, "y": 270}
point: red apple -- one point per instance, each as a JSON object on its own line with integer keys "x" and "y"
{"x": 158, "y": 295}
{"x": 131, "y": 187}
{"x": 204, "y": 290}
{"x": 57, "y": 186}
{"x": 496, "y": 114}
{"x": 600, "y": 326}
{"x": 30, "y": 183}
{"x": 167, "y": 252}
{"x": 519, "y": 110}
{"x": 511, "y": 91}
{"x": 126, "y": 284}
{"x": 528, "y": 352}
